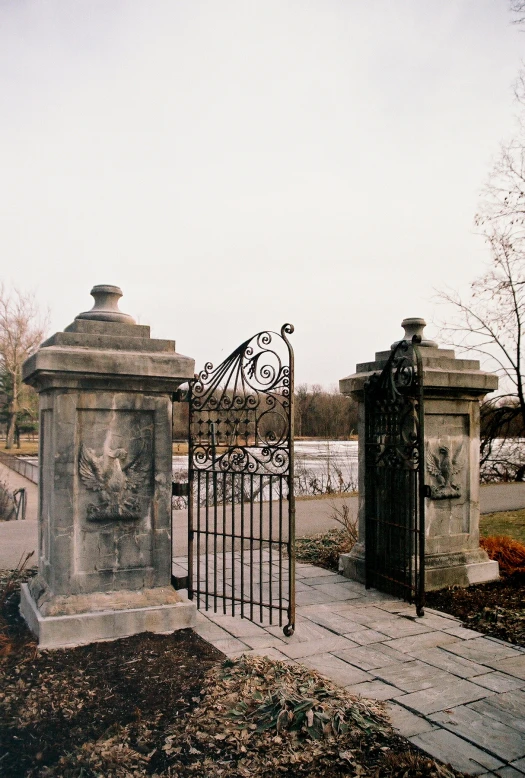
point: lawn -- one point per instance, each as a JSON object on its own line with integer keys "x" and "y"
{"x": 511, "y": 523}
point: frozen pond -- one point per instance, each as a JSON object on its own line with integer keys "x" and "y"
{"x": 320, "y": 466}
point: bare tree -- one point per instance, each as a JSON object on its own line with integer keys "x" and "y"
{"x": 22, "y": 328}
{"x": 491, "y": 320}
{"x": 518, "y": 7}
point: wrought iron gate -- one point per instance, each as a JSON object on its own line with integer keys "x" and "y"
{"x": 241, "y": 515}
{"x": 394, "y": 477}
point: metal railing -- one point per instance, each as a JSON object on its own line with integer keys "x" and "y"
{"x": 20, "y": 465}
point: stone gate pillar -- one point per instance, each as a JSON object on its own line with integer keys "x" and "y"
{"x": 452, "y": 389}
{"x": 105, "y": 464}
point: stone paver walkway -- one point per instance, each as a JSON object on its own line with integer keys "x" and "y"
{"x": 458, "y": 695}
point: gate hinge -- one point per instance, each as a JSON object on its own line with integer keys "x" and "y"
{"x": 180, "y": 489}
{"x": 181, "y": 396}
{"x": 426, "y": 491}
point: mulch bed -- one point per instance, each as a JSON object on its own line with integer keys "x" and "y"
{"x": 496, "y": 608}
{"x": 172, "y": 705}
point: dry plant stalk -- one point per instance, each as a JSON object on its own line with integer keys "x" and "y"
{"x": 341, "y": 514}
{"x": 6, "y": 642}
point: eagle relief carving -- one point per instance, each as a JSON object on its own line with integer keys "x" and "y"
{"x": 443, "y": 466}
{"x": 116, "y": 479}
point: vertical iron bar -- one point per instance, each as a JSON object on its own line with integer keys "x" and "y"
{"x": 224, "y": 542}
{"x": 420, "y": 601}
{"x": 261, "y": 486}
{"x": 290, "y": 627}
{"x": 280, "y": 551}
{"x": 233, "y": 543}
{"x": 198, "y": 538}
{"x": 191, "y": 495}
{"x": 242, "y": 545}
{"x": 214, "y": 477}
{"x": 251, "y": 545}
{"x": 206, "y": 538}
{"x": 270, "y": 571}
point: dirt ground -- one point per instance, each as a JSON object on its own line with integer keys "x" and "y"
{"x": 172, "y": 705}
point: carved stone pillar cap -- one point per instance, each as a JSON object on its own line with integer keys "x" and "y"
{"x": 106, "y": 305}
{"x": 414, "y": 326}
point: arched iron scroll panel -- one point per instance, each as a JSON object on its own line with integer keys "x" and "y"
{"x": 241, "y": 482}
{"x": 394, "y": 477}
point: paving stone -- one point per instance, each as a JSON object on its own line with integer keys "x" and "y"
{"x": 508, "y": 708}
{"x": 336, "y": 591}
{"x": 305, "y": 630}
{"x": 262, "y": 641}
{"x": 270, "y": 652}
{"x": 236, "y": 626}
{"x": 463, "y": 633}
{"x": 435, "y": 621}
{"x": 484, "y": 651}
{"x": 397, "y": 606}
{"x": 457, "y": 665}
{"x": 519, "y": 764}
{"x": 366, "y": 636}
{"x": 414, "y": 676}
{"x": 434, "y": 699}
{"x": 413, "y": 644}
{"x": 374, "y": 690}
{"x": 434, "y": 612}
{"x": 229, "y": 645}
{"x": 509, "y": 772}
{"x": 309, "y": 571}
{"x": 333, "y": 578}
{"x": 512, "y": 666}
{"x": 499, "y": 682}
{"x": 325, "y": 646}
{"x": 369, "y": 657}
{"x": 362, "y": 614}
{"x": 238, "y": 654}
{"x": 338, "y": 671}
{"x": 450, "y": 748}
{"x": 312, "y": 597}
{"x": 335, "y": 622}
{"x": 499, "y": 739}
{"x": 399, "y": 627}
{"x": 407, "y": 723}
{"x": 210, "y": 631}
{"x": 301, "y": 586}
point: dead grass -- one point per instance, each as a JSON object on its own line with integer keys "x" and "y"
{"x": 511, "y": 523}
{"x": 27, "y": 448}
{"x": 509, "y": 553}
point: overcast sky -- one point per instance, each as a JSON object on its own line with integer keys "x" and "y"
{"x": 236, "y": 164}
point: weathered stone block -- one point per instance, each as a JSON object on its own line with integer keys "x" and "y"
{"x": 452, "y": 389}
{"x": 105, "y": 462}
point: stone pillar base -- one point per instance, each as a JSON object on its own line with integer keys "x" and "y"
{"x": 441, "y": 570}
{"x": 352, "y": 565}
{"x": 459, "y": 569}
{"x": 80, "y": 619}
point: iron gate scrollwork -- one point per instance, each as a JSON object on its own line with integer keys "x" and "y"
{"x": 394, "y": 477}
{"x": 241, "y": 516}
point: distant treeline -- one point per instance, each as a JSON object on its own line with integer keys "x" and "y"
{"x": 324, "y": 414}
{"x": 318, "y": 414}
